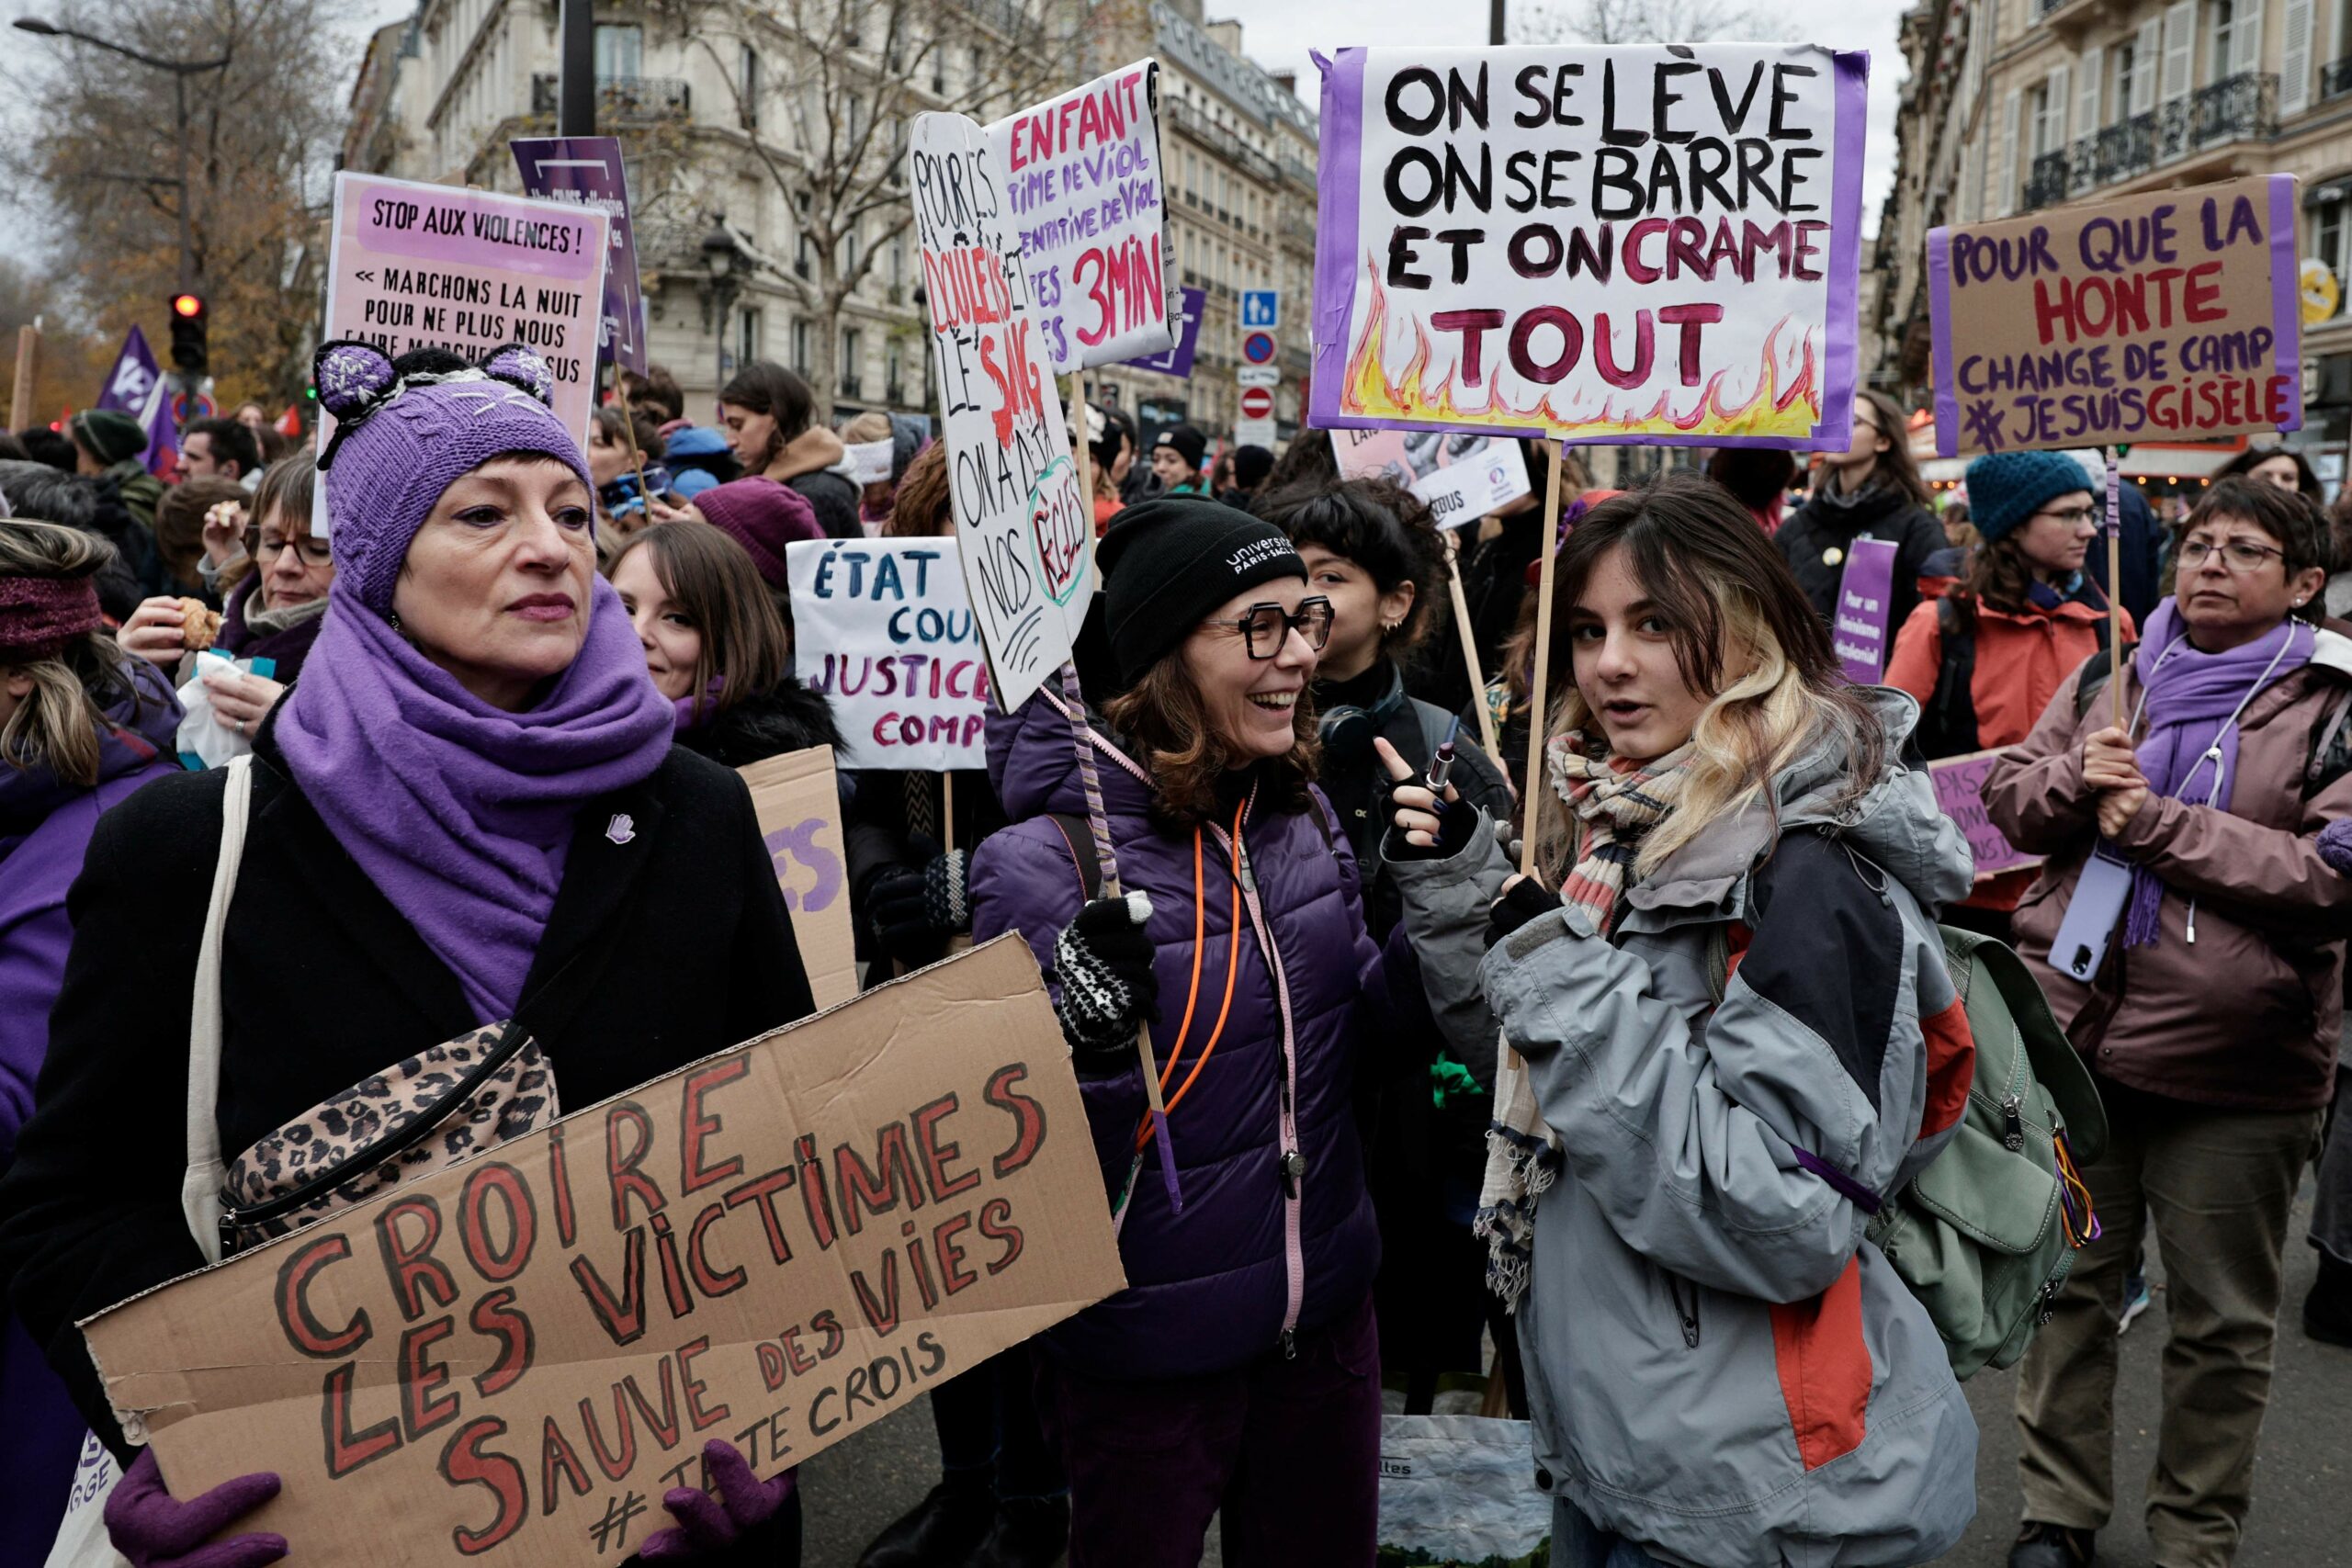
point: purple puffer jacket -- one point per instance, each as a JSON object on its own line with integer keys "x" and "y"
{"x": 1217, "y": 1286}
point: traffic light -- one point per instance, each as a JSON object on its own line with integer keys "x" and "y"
{"x": 189, "y": 319}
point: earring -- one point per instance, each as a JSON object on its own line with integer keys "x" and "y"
{"x": 394, "y": 615}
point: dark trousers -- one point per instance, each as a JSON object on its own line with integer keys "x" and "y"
{"x": 1289, "y": 1449}
{"x": 988, "y": 1431}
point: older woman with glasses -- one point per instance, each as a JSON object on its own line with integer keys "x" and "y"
{"x": 1240, "y": 1370}
{"x": 2190, "y": 937}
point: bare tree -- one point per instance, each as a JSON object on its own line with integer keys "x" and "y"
{"x": 260, "y": 133}
{"x": 823, "y": 92}
{"x": 1650, "y": 21}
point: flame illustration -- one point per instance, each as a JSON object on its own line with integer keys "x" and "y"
{"x": 1770, "y": 410}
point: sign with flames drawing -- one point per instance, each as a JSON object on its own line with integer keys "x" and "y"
{"x": 1648, "y": 245}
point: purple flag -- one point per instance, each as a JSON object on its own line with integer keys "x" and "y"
{"x": 135, "y": 386}
{"x": 1863, "y": 604}
{"x": 1178, "y": 361}
{"x": 588, "y": 169}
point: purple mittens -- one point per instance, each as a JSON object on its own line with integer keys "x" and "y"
{"x": 707, "y": 1524}
{"x": 2336, "y": 845}
{"x": 154, "y": 1529}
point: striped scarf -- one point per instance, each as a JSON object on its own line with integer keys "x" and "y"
{"x": 1614, "y": 803}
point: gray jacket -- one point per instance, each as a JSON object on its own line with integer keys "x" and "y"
{"x": 1720, "y": 1366}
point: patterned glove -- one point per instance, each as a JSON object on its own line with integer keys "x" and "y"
{"x": 154, "y": 1529}
{"x": 942, "y": 892}
{"x": 1104, "y": 960}
{"x": 707, "y": 1524}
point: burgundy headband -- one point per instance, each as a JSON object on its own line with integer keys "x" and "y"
{"x": 41, "y": 616}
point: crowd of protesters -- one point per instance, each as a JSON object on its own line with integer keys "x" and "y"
{"x": 455, "y": 767}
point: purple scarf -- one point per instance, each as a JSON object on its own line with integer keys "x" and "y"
{"x": 460, "y": 811}
{"x": 2190, "y": 696}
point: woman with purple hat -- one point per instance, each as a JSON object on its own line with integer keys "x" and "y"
{"x": 471, "y": 808}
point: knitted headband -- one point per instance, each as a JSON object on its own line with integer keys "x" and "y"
{"x": 41, "y": 616}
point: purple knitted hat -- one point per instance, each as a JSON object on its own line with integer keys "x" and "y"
{"x": 406, "y": 432}
{"x": 763, "y": 516}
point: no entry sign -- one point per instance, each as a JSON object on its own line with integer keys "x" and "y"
{"x": 1257, "y": 403}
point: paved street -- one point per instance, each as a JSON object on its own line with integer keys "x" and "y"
{"x": 2300, "y": 1515}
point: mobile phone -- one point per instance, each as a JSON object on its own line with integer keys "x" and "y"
{"x": 2092, "y": 914}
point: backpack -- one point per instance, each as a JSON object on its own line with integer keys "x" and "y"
{"x": 1986, "y": 1233}
{"x": 1948, "y": 718}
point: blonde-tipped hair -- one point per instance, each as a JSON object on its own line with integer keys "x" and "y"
{"x": 58, "y": 723}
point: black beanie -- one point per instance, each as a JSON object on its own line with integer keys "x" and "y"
{"x": 1167, "y": 562}
{"x": 1186, "y": 442}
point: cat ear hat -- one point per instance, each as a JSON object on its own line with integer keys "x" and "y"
{"x": 402, "y": 436}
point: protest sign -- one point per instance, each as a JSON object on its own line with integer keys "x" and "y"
{"x": 1462, "y": 477}
{"x": 1178, "y": 361}
{"x": 882, "y": 630}
{"x": 1959, "y": 790}
{"x": 779, "y": 1246}
{"x": 588, "y": 169}
{"x": 1865, "y": 602}
{"x": 136, "y": 387}
{"x": 1087, "y": 208}
{"x": 798, "y": 802}
{"x": 1636, "y": 243}
{"x": 2171, "y": 316}
{"x": 425, "y": 266}
{"x": 1027, "y": 532}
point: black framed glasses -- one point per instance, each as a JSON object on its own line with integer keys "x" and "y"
{"x": 2238, "y": 555}
{"x": 1265, "y": 627}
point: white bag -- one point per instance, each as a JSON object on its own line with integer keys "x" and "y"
{"x": 1460, "y": 1489}
{"x": 81, "y": 1539}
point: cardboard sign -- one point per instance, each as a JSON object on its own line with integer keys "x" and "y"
{"x": 1080, "y": 179}
{"x": 1638, "y": 243}
{"x": 798, "y": 799}
{"x": 1865, "y": 603}
{"x": 884, "y": 632}
{"x": 424, "y": 266}
{"x": 1027, "y": 532}
{"x": 1178, "y": 361}
{"x": 513, "y": 1359}
{"x": 2171, "y": 316}
{"x": 1463, "y": 476}
{"x": 588, "y": 169}
{"x": 1959, "y": 790}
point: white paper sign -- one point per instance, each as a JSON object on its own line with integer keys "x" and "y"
{"x": 881, "y": 628}
{"x": 1081, "y": 182}
{"x": 1027, "y": 530}
{"x": 1463, "y": 476}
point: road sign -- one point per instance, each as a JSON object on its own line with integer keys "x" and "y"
{"x": 1257, "y": 402}
{"x": 1261, "y": 308}
{"x": 1258, "y": 348}
{"x": 1256, "y": 375}
{"x": 1254, "y": 433}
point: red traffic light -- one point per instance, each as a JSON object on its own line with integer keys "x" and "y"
{"x": 190, "y": 304}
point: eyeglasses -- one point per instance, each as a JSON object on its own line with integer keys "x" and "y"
{"x": 2072, "y": 516}
{"x": 1265, "y": 628}
{"x": 307, "y": 551}
{"x": 2238, "y": 555}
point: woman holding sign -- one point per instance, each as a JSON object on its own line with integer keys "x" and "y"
{"x": 1870, "y": 491}
{"x": 2190, "y": 937}
{"x": 467, "y": 823}
{"x": 1730, "y": 999}
{"x": 1240, "y": 1370}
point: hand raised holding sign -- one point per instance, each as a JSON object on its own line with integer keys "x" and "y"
{"x": 153, "y": 1529}
{"x": 707, "y": 1524}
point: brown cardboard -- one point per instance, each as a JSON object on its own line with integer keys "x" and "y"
{"x": 2174, "y": 315}
{"x": 962, "y": 1211}
{"x": 799, "y": 807}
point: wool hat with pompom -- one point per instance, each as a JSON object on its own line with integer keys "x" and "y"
{"x": 2005, "y": 489}
{"x": 407, "y": 429}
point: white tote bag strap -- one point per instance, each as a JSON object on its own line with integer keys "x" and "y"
{"x": 200, "y": 1188}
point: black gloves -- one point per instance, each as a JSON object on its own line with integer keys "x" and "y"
{"x": 914, "y": 910}
{"x": 1457, "y": 820}
{"x": 1527, "y": 900}
{"x": 1104, "y": 960}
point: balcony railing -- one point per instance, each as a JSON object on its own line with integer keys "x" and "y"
{"x": 2335, "y": 78}
{"x": 622, "y": 100}
{"x": 2235, "y": 108}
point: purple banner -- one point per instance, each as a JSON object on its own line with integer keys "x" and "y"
{"x": 588, "y": 169}
{"x": 1178, "y": 361}
{"x": 1864, "y": 600}
{"x": 135, "y": 386}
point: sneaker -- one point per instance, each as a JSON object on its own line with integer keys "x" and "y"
{"x": 2135, "y": 1300}
{"x": 2053, "y": 1546}
{"x": 2327, "y": 1310}
{"x": 938, "y": 1533}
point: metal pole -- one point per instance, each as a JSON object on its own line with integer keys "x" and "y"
{"x": 576, "y": 62}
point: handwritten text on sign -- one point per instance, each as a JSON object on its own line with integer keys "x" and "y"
{"x": 516, "y": 1357}
{"x": 1025, "y": 530}
{"x": 1865, "y": 603}
{"x": 1631, "y": 243}
{"x": 2170, "y": 316}
{"x": 1959, "y": 790}
{"x": 798, "y": 800}
{"x": 884, "y": 632}
{"x": 1081, "y": 175}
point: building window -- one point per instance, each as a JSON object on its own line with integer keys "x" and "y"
{"x": 2044, "y": 111}
{"x": 2128, "y": 68}
{"x": 750, "y": 88}
{"x": 853, "y": 362}
{"x": 2237, "y": 34}
{"x": 620, "y": 50}
{"x": 894, "y": 374}
{"x": 899, "y": 261}
{"x": 800, "y": 234}
{"x": 2327, "y": 236}
{"x": 800, "y": 346}
{"x": 748, "y": 345}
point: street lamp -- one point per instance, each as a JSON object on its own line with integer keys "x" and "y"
{"x": 722, "y": 263}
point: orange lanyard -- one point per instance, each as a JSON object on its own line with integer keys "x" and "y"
{"x": 1192, "y": 992}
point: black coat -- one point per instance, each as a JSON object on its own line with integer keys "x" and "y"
{"x": 684, "y": 947}
{"x": 834, "y": 501}
{"x": 790, "y": 718}
{"x": 1832, "y": 523}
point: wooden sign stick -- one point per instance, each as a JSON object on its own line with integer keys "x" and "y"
{"x": 1532, "y": 800}
{"x": 2115, "y": 589}
{"x": 1470, "y": 652}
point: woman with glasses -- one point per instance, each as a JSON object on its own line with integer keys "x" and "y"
{"x": 1985, "y": 658}
{"x": 2190, "y": 939}
{"x": 1239, "y": 1371}
{"x": 1870, "y": 491}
